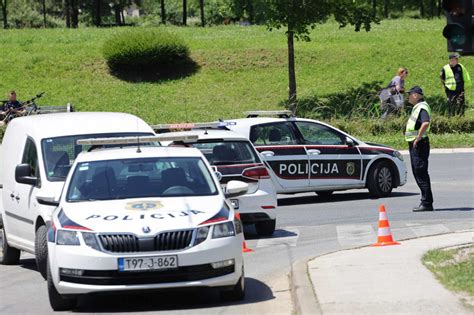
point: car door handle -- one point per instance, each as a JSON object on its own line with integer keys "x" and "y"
{"x": 314, "y": 151}
{"x": 267, "y": 153}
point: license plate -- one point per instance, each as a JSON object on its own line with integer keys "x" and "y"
{"x": 147, "y": 263}
{"x": 235, "y": 203}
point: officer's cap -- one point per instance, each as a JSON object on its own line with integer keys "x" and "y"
{"x": 454, "y": 55}
{"x": 416, "y": 89}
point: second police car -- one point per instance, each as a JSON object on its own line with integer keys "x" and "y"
{"x": 306, "y": 155}
{"x": 235, "y": 158}
{"x": 137, "y": 218}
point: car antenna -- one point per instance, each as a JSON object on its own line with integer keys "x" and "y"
{"x": 138, "y": 140}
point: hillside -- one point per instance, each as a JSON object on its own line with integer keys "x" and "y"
{"x": 240, "y": 68}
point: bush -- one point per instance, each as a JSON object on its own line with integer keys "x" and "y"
{"x": 145, "y": 49}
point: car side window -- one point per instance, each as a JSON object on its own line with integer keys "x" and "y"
{"x": 314, "y": 133}
{"x": 30, "y": 157}
{"x": 273, "y": 134}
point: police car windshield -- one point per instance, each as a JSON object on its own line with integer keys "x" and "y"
{"x": 140, "y": 178}
{"x": 228, "y": 152}
{"x": 60, "y": 152}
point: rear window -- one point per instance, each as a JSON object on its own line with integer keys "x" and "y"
{"x": 228, "y": 152}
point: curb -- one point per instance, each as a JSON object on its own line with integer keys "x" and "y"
{"x": 305, "y": 299}
{"x": 445, "y": 151}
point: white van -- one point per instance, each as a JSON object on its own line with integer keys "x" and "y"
{"x": 38, "y": 152}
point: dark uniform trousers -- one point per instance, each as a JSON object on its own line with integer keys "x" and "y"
{"x": 419, "y": 164}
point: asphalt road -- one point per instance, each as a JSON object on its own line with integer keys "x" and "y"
{"x": 307, "y": 226}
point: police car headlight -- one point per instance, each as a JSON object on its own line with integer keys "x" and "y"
{"x": 66, "y": 237}
{"x": 223, "y": 230}
{"x": 90, "y": 240}
{"x": 201, "y": 235}
{"x": 398, "y": 155}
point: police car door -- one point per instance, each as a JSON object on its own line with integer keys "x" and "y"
{"x": 278, "y": 144}
{"x": 332, "y": 163}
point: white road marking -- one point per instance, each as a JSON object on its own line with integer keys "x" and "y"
{"x": 355, "y": 235}
{"x": 425, "y": 230}
{"x": 286, "y": 237}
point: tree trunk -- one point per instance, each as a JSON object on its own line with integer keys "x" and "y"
{"x": 439, "y": 7}
{"x": 44, "y": 13}
{"x": 422, "y": 8}
{"x": 432, "y": 8}
{"x": 201, "y": 6}
{"x": 163, "y": 12}
{"x": 385, "y": 9}
{"x": 74, "y": 14}
{"x": 118, "y": 18}
{"x": 291, "y": 73}
{"x": 250, "y": 11}
{"x": 4, "y": 13}
{"x": 98, "y": 12}
{"x": 374, "y": 7}
{"x": 67, "y": 12}
{"x": 185, "y": 12}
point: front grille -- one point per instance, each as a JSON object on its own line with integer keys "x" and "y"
{"x": 114, "y": 277}
{"x": 127, "y": 243}
{"x": 122, "y": 243}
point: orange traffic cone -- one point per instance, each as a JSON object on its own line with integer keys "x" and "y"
{"x": 385, "y": 235}
{"x": 245, "y": 249}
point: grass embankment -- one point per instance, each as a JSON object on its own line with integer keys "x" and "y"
{"x": 240, "y": 68}
{"x": 454, "y": 268}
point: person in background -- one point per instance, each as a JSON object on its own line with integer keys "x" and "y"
{"x": 416, "y": 134}
{"x": 455, "y": 78}
{"x": 391, "y": 97}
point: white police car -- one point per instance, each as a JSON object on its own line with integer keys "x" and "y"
{"x": 235, "y": 158}
{"x": 306, "y": 155}
{"x": 136, "y": 218}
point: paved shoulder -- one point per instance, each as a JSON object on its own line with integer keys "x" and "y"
{"x": 371, "y": 279}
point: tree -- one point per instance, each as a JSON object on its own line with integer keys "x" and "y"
{"x": 185, "y": 12}
{"x": 299, "y": 16}
{"x": 3, "y": 3}
{"x": 201, "y": 7}
{"x": 98, "y": 12}
{"x": 163, "y": 12}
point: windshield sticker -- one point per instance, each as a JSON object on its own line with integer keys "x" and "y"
{"x": 84, "y": 167}
{"x": 144, "y": 205}
{"x": 156, "y": 216}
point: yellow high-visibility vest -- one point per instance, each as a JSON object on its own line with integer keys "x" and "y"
{"x": 449, "y": 80}
{"x": 410, "y": 132}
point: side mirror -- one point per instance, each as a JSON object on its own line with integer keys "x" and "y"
{"x": 350, "y": 142}
{"x": 48, "y": 200}
{"x": 236, "y": 188}
{"x": 23, "y": 175}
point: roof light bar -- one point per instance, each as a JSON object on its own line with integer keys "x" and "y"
{"x": 279, "y": 113}
{"x": 135, "y": 140}
{"x": 217, "y": 124}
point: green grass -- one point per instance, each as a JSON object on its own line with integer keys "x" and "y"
{"x": 240, "y": 68}
{"x": 454, "y": 268}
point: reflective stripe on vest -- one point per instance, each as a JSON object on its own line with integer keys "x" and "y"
{"x": 449, "y": 80}
{"x": 410, "y": 132}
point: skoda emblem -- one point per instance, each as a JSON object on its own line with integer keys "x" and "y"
{"x": 146, "y": 229}
{"x": 350, "y": 169}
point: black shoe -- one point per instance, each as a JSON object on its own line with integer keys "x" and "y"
{"x": 423, "y": 208}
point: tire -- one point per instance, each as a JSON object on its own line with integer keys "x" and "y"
{"x": 265, "y": 228}
{"x": 41, "y": 250}
{"x": 324, "y": 194}
{"x": 57, "y": 301}
{"x": 380, "y": 180}
{"x": 238, "y": 291}
{"x": 10, "y": 255}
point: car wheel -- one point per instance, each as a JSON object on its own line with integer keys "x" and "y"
{"x": 265, "y": 228}
{"x": 238, "y": 291}
{"x": 41, "y": 249}
{"x": 324, "y": 194}
{"x": 380, "y": 180}
{"x": 57, "y": 301}
{"x": 10, "y": 255}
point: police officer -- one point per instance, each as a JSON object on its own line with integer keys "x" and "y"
{"x": 455, "y": 78}
{"x": 416, "y": 134}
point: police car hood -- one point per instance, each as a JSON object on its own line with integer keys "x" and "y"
{"x": 139, "y": 215}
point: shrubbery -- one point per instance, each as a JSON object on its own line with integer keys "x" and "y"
{"x": 145, "y": 49}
